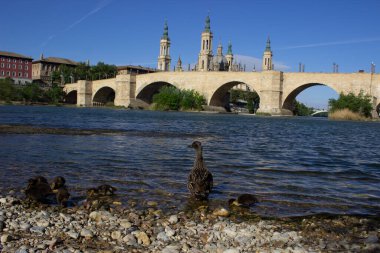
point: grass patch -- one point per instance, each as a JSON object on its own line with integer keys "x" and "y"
{"x": 346, "y": 114}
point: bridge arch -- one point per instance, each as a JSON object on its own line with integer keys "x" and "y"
{"x": 148, "y": 91}
{"x": 220, "y": 97}
{"x": 71, "y": 97}
{"x": 104, "y": 96}
{"x": 291, "y": 97}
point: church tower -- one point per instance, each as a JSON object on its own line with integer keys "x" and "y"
{"x": 267, "y": 57}
{"x": 179, "y": 65}
{"x": 230, "y": 57}
{"x": 164, "y": 58}
{"x": 205, "y": 55}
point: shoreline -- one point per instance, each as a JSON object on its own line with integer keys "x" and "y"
{"x": 24, "y": 228}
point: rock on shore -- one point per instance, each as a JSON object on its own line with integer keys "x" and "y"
{"x": 51, "y": 229}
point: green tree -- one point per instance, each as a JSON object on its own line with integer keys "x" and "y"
{"x": 32, "y": 93}
{"x": 360, "y": 104}
{"x": 301, "y": 109}
{"x": 54, "y": 94}
{"x": 168, "y": 98}
{"x": 191, "y": 100}
{"x": 171, "y": 98}
{"x": 8, "y": 91}
{"x": 251, "y": 97}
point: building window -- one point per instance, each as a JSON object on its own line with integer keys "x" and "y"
{"x": 2, "y": 65}
{"x": 2, "y": 59}
{"x": 9, "y": 60}
{"x": 26, "y": 74}
{"x": 8, "y": 73}
{"x": 20, "y": 61}
{"x": 26, "y": 67}
{"x": 13, "y": 73}
{"x": 19, "y": 74}
{"x": 14, "y": 60}
{"x": 19, "y": 66}
{"x": 2, "y": 73}
{"x": 14, "y": 66}
{"x": 8, "y": 65}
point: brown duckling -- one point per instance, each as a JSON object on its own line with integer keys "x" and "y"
{"x": 200, "y": 180}
{"x": 62, "y": 196}
{"x": 101, "y": 191}
{"x": 106, "y": 190}
{"x": 59, "y": 188}
{"x": 57, "y": 183}
{"x": 38, "y": 189}
{"x": 244, "y": 200}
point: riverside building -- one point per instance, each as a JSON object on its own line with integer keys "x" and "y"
{"x": 16, "y": 66}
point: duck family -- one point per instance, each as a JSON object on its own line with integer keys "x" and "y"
{"x": 200, "y": 183}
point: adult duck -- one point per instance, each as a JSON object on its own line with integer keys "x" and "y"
{"x": 200, "y": 181}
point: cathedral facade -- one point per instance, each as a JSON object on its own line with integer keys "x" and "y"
{"x": 207, "y": 61}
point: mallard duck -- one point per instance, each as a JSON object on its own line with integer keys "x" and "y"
{"x": 244, "y": 200}
{"x": 200, "y": 180}
{"x": 38, "y": 189}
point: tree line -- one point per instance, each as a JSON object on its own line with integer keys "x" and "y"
{"x": 30, "y": 93}
{"x": 83, "y": 71}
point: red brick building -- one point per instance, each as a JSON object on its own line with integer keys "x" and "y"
{"x": 16, "y": 66}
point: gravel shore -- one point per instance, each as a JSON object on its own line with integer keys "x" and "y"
{"x": 52, "y": 229}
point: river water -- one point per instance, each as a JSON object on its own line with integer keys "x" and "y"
{"x": 295, "y": 166}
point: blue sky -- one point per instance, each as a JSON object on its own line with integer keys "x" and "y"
{"x": 120, "y": 32}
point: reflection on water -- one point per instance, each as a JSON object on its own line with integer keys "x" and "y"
{"x": 296, "y": 166}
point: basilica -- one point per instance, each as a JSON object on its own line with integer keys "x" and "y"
{"x": 207, "y": 61}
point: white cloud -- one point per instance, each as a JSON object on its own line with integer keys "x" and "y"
{"x": 250, "y": 62}
{"x": 99, "y": 7}
{"x": 332, "y": 43}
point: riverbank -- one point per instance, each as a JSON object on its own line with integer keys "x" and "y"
{"x": 52, "y": 229}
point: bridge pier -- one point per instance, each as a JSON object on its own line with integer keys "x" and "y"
{"x": 84, "y": 93}
{"x": 271, "y": 93}
{"x": 123, "y": 89}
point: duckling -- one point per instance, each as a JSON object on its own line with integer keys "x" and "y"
{"x": 92, "y": 193}
{"x": 200, "y": 181}
{"x": 57, "y": 183}
{"x": 106, "y": 190}
{"x": 244, "y": 200}
{"x": 62, "y": 196}
{"x": 38, "y": 189}
{"x": 59, "y": 188}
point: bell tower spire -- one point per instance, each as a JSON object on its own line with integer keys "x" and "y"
{"x": 267, "y": 57}
{"x": 164, "y": 57}
{"x": 230, "y": 56}
{"x": 205, "y": 54}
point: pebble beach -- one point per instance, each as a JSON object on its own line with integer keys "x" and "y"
{"x": 42, "y": 228}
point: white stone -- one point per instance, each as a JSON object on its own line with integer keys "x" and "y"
{"x": 116, "y": 235}
{"x": 162, "y": 237}
{"x": 173, "y": 219}
{"x": 125, "y": 223}
{"x": 171, "y": 249}
{"x": 86, "y": 233}
{"x": 169, "y": 231}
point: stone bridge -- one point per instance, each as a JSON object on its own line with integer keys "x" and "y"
{"x": 277, "y": 90}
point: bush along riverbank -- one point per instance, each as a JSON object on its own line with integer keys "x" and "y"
{"x": 25, "y": 228}
{"x": 351, "y": 107}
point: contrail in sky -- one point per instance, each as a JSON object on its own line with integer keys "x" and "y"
{"x": 102, "y": 5}
{"x": 333, "y": 43}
